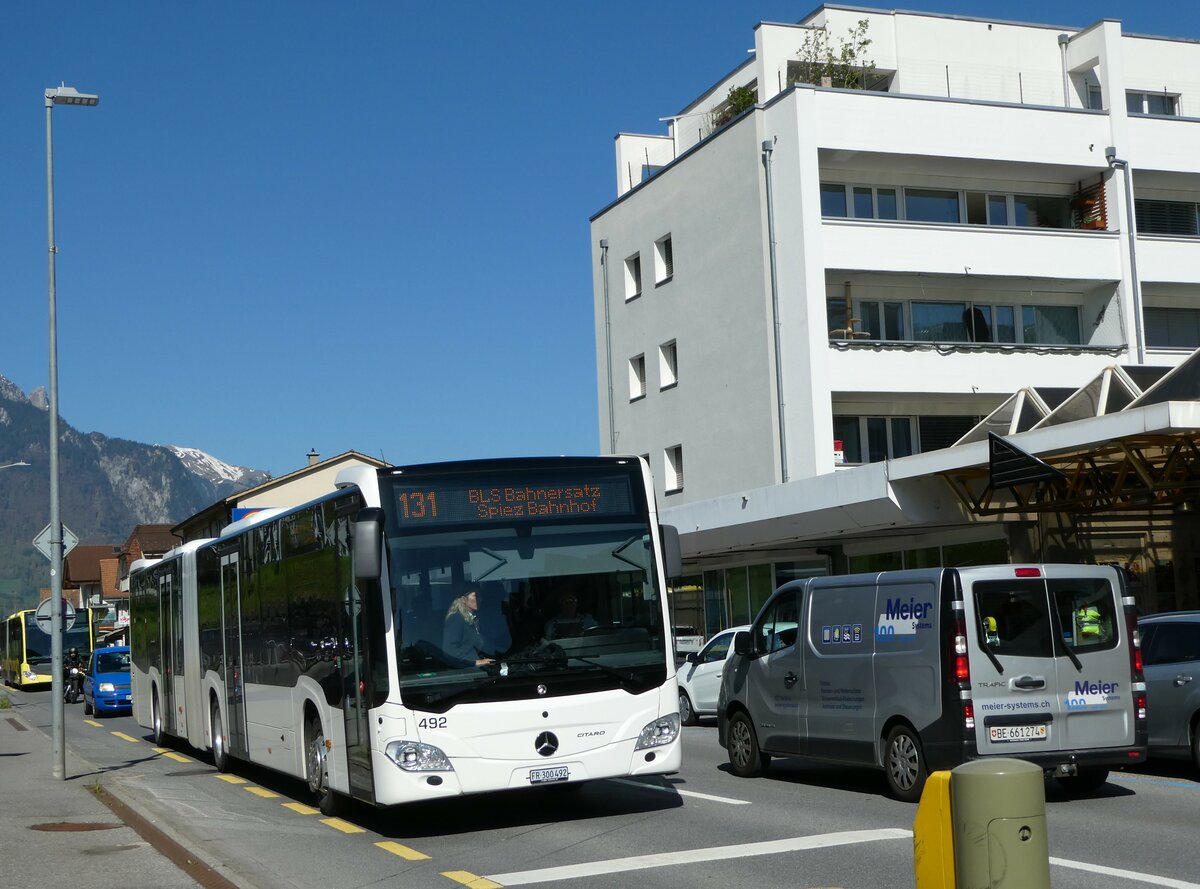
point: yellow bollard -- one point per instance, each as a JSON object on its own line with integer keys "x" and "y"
{"x": 933, "y": 835}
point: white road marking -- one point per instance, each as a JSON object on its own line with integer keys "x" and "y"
{"x": 1126, "y": 874}
{"x": 695, "y": 856}
{"x": 697, "y": 795}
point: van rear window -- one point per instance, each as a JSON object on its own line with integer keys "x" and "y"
{"x": 1086, "y": 612}
{"x": 1014, "y": 617}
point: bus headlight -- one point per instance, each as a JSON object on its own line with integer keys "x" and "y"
{"x": 30, "y": 676}
{"x": 662, "y": 731}
{"x": 412, "y": 756}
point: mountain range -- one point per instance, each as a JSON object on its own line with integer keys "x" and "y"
{"x": 106, "y": 487}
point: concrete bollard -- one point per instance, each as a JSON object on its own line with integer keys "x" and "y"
{"x": 998, "y": 810}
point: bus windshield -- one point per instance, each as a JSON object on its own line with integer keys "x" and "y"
{"x": 511, "y": 607}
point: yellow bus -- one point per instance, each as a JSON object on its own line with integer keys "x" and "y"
{"x": 26, "y": 649}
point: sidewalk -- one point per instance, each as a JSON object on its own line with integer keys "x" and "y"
{"x": 76, "y": 854}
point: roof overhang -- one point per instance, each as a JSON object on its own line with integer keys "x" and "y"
{"x": 933, "y": 490}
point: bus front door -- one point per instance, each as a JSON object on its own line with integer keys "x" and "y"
{"x": 355, "y": 701}
{"x": 231, "y": 623}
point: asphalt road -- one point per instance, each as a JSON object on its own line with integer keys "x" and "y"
{"x": 804, "y": 825}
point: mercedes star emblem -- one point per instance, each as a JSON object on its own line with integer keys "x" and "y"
{"x": 546, "y": 744}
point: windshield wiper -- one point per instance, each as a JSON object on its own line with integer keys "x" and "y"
{"x": 552, "y": 656}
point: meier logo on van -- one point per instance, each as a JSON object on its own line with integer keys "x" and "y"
{"x": 903, "y": 617}
{"x": 1093, "y": 695}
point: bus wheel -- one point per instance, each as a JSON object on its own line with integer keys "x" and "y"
{"x": 220, "y": 754}
{"x": 317, "y": 768}
{"x": 687, "y": 713}
{"x": 904, "y": 764}
{"x": 745, "y": 757}
{"x": 160, "y": 735}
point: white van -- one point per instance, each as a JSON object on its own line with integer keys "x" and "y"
{"x": 913, "y": 671}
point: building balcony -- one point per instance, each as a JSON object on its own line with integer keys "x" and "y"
{"x": 1163, "y": 143}
{"x": 956, "y": 249}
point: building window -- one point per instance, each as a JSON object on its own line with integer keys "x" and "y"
{"x": 1095, "y": 98}
{"x": 633, "y": 277}
{"x": 664, "y": 262}
{"x": 1152, "y": 103}
{"x": 673, "y": 466}
{"x": 931, "y": 205}
{"x": 637, "y": 377}
{"x": 873, "y": 439}
{"x": 649, "y": 170}
{"x": 667, "y": 365}
{"x": 955, "y": 322}
{"x": 1172, "y": 328}
{"x": 946, "y": 206}
{"x": 1166, "y": 217}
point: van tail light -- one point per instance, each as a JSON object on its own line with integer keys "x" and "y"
{"x": 961, "y": 663}
{"x": 1135, "y": 658}
{"x": 1028, "y": 572}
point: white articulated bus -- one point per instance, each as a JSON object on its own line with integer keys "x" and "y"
{"x": 423, "y": 632}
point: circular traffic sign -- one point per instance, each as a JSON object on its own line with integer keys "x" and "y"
{"x": 45, "y": 616}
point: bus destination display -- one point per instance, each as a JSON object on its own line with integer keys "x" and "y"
{"x": 455, "y": 501}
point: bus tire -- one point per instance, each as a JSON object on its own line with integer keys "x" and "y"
{"x": 747, "y": 760}
{"x": 687, "y": 713}
{"x": 317, "y": 768}
{"x": 904, "y": 764}
{"x": 160, "y": 734}
{"x": 217, "y": 728}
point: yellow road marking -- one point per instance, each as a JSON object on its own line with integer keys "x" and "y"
{"x": 92, "y": 722}
{"x": 232, "y": 779}
{"x": 403, "y": 851}
{"x": 125, "y": 737}
{"x": 261, "y": 791}
{"x": 300, "y": 808}
{"x": 470, "y": 880}
{"x": 171, "y": 754}
{"x": 343, "y": 826}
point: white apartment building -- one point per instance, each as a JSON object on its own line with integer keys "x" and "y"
{"x": 883, "y": 267}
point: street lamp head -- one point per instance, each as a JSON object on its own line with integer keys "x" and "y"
{"x": 11, "y": 465}
{"x": 68, "y": 95}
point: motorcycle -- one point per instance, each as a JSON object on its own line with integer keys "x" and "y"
{"x": 73, "y": 685}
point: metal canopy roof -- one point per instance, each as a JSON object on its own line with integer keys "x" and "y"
{"x": 1139, "y": 471}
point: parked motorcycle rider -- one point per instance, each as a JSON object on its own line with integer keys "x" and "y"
{"x": 72, "y": 682}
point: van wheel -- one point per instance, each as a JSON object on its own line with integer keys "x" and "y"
{"x": 317, "y": 769}
{"x": 1086, "y": 781}
{"x": 217, "y": 729}
{"x": 904, "y": 764}
{"x": 745, "y": 757}
{"x": 687, "y": 715}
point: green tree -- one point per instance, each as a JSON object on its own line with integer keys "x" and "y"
{"x": 845, "y": 65}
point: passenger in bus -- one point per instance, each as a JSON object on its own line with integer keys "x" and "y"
{"x": 462, "y": 639}
{"x": 569, "y": 621}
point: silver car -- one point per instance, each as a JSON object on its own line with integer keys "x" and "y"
{"x": 1171, "y": 654}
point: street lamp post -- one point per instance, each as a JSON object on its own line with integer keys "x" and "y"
{"x": 59, "y": 95}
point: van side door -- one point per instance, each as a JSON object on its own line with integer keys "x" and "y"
{"x": 774, "y": 675}
{"x": 839, "y": 644}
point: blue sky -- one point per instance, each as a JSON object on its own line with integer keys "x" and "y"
{"x": 346, "y": 225}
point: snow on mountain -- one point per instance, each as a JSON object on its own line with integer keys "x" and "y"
{"x": 209, "y": 467}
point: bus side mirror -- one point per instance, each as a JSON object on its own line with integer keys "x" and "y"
{"x": 368, "y": 544}
{"x": 741, "y": 643}
{"x": 672, "y": 555}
